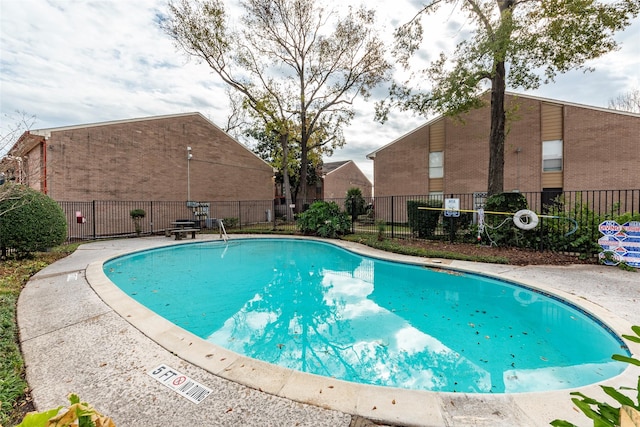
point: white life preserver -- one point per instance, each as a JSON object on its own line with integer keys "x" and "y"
{"x": 525, "y": 219}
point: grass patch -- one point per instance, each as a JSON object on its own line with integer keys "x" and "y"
{"x": 400, "y": 247}
{"x": 14, "y": 274}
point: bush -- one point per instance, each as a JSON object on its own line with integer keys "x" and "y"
{"x": 324, "y": 219}
{"x": 30, "y": 221}
{"x": 503, "y": 231}
{"x": 136, "y": 216}
{"x": 230, "y": 222}
{"x": 137, "y": 213}
{"x": 354, "y": 203}
{"x": 462, "y": 222}
{"x": 582, "y": 235}
{"x": 423, "y": 222}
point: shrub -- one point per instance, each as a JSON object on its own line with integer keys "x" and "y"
{"x": 230, "y": 222}
{"x": 502, "y": 230}
{"x": 462, "y": 222}
{"x": 423, "y": 222}
{"x": 136, "y": 216}
{"x": 563, "y": 236}
{"x": 137, "y": 213}
{"x": 78, "y": 413}
{"x": 324, "y": 219}
{"x": 354, "y": 203}
{"x": 30, "y": 221}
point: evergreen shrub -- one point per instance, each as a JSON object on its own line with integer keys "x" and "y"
{"x": 30, "y": 221}
{"x": 423, "y": 222}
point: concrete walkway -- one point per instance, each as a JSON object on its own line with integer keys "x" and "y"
{"x": 73, "y": 341}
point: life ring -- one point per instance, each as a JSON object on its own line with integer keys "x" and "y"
{"x": 525, "y": 219}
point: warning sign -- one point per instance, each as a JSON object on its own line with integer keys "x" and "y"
{"x": 452, "y": 207}
{"x": 620, "y": 243}
{"x": 181, "y": 384}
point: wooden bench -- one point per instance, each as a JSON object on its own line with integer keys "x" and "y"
{"x": 181, "y": 233}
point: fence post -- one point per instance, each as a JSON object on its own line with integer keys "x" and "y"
{"x": 239, "y": 214}
{"x": 151, "y": 215}
{"x": 353, "y": 215}
{"x": 273, "y": 213}
{"x": 541, "y": 227}
{"x": 392, "y": 219}
{"x": 93, "y": 215}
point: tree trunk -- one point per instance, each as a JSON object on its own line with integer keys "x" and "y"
{"x": 497, "y": 135}
{"x": 302, "y": 185}
{"x": 284, "y": 142}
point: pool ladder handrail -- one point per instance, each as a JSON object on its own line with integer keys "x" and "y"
{"x": 223, "y": 232}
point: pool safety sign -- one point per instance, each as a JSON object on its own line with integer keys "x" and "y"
{"x": 181, "y": 384}
{"x": 620, "y": 243}
{"x": 452, "y": 207}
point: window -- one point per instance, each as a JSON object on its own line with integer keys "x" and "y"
{"x": 436, "y": 164}
{"x": 552, "y": 156}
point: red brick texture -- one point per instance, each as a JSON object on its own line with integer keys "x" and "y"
{"x": 601, "y": 151}
{"x": 147, "y": 160}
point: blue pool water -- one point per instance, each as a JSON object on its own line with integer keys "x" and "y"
{"x": 314, "y": 307}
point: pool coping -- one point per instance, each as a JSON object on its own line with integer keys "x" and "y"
{"x": 382, "y": 404}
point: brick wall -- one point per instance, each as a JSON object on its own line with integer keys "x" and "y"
{"x": 340, "y": 180}
{"x": 402, "y": 168}
{"x": 601, "y": 151}
{"x": 147, "y": 160}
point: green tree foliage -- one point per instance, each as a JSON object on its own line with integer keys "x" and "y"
{"x": 324, "y": 219}
{"x": 516, "y": 43}
{"x": 298, "y": 66}
{"x": 354, "y": 203}
{"x": 136, "y": 216}
{"x": 30, "y": 221}
{"x": 268, "y": 148}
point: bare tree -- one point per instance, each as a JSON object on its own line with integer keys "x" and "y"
{"x": 629, "y": 101}
{"x": 298, "y": 66}
{"x": 12, "y": 162}
{"x": 519, "y": 43}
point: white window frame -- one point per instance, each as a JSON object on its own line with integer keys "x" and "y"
{"x": 552, "y": 155}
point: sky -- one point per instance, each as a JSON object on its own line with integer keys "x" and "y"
{"x": 73, "y": 62}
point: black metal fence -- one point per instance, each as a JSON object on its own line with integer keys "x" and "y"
{"x": 386, "y": 215}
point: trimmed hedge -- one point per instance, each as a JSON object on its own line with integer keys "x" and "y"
{"x": 30, "y": 221}
{"x": 423, "y": 222}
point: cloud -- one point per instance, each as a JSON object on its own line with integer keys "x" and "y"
{"x": 73, "y": 61}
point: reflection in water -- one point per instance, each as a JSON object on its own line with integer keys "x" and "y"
{"x": 315, "y": 308}
{"x": 345, "y": 335}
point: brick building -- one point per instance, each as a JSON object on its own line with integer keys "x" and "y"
{"x": 551, "y": 146}
{"x": 178, "y": 166}
{"x": 339, "y": 177}
{"x": 139, "y": 159}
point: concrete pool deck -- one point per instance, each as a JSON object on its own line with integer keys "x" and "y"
{"x": 79, "y": 333}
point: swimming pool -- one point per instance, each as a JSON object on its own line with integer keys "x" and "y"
{"x": 317, "y": 308}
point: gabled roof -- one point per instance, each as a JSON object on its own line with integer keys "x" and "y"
{"x": 327, "y": 168}
{"x": 372, "y": 155}
{"x": 46, "y": 133}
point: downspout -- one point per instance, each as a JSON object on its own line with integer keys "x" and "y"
{"x": 43, "y": 177}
